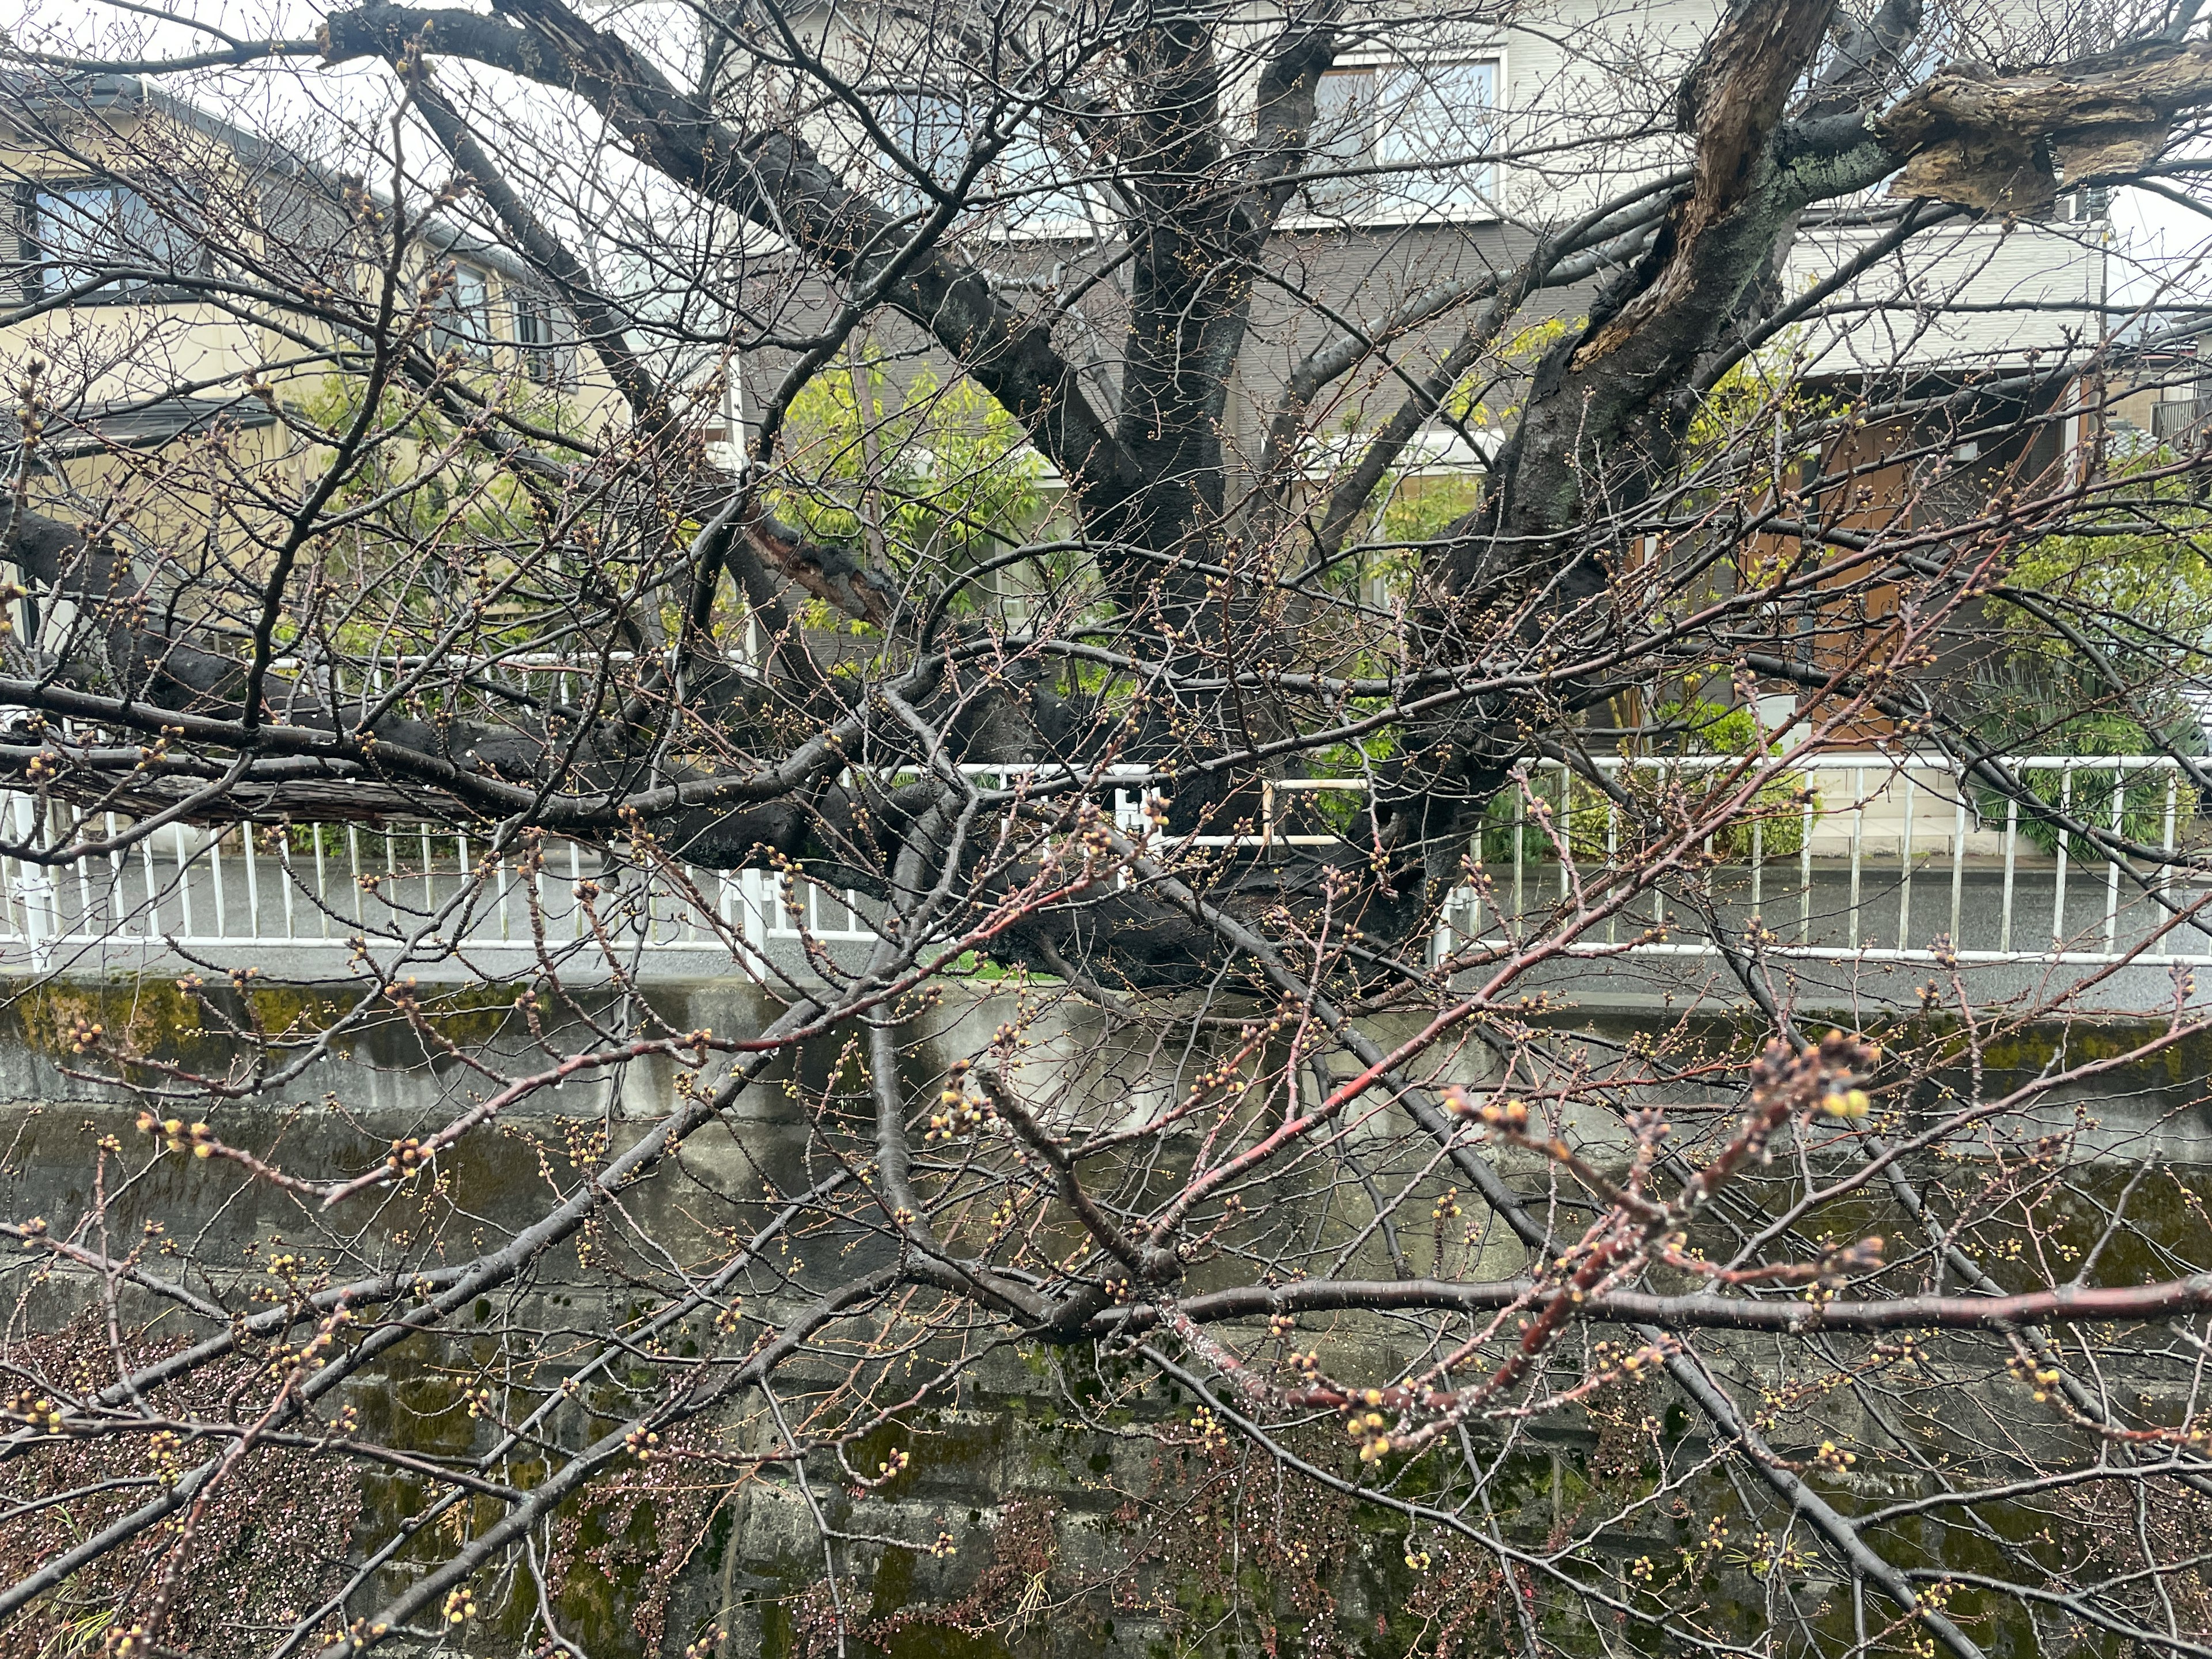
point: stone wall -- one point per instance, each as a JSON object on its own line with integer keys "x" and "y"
{"x": 1053, "y": 1503}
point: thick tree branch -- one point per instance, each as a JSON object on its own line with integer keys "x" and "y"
{"x": 774, "y": 180}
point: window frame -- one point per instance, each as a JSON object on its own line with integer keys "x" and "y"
{"x": 34, "y": 267}
{"x": 908, "y": 116}
{"x": 544, "y": 357}
{"x": 470, "y": 331}
{"x": 1395, "y": 208}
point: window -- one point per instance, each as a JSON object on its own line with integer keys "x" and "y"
{"x": 1405, "y": 138}
{"x": 463, "y": 320}
{"x": 1031, "y": 180}
{"x": 535, "y": 343}
{"x": 70, "y": 233}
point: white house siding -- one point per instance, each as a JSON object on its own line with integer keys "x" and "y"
{"x": 1969, "y": 294}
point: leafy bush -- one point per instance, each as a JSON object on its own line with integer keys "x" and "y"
{"x": 954, "y": 480}
{"x": 1776, "y": 822}
{"x": 2013, "y": 716}
{"x": 1585, "y": 809}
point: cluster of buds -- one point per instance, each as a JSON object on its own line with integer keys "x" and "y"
{"x": 643, "y": 1444}
{"x": 479, "y": 1401}
{"x": 1784, "y": 1084}
{"x": 1841, "y": 1058}
{"x": 1863, "y": 1256}
{"x": 703, "y": 1648}
{"x": 1833, "y": 1458}
{"x": 892, "y": 1467}
{"x": 2042, "y": 1380}
{"x": 1632, "y": 1365}
{"x": 1220, "y": 1075}
{"x": 729, "y": 1318}
{"x": 460, "y": 1606}
{"x": 37, "y": 1410}
{"x": 178, "y": 1134}
{"x": 1629, "y": 1363}
{"x": 1447, "y": 1207}
{"x": 1308, "y": 1365}
{"x": 1419, "y": 1559}
{"x": 1846, "y": 1103}
{"x": 1281, "y": 1325}
{"x": 1494, "y": 1114}
{"x": 1900, "y": 1349}
{"x": 1368, "y": 1428}
{"x": 360, "y": 204}
{"x": 85, "y": 1036}
{"x": 43, "y": 767}
{"x": 408, "y": 1153}
{"x": 1212, "y": 1436}
{"x": 961, "y": 1112}
{"x": 943, "y": 1546}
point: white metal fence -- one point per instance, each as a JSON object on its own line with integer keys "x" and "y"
{"x": 1859, "y": 856}
{"x": 1885, "y": 859}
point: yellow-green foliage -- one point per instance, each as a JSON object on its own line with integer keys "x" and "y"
{"x": 1746, "y": 427}
{"x": 434, "y": 509}
{"x": 2136, "y": 580}
{"x": 425, "y": 480}
{"x": 1710, "y": 728}
{"x": 954, "y": 480}
{"x": 1417, "y": 508}
{"x": 1421, "y": 509}
{"x": 1520, "y": 352}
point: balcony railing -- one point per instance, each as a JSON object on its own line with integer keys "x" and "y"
{"x": 2173, "y": 418}
{"x": 1858, "y": 857}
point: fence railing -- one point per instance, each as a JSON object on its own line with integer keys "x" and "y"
{"x": 1878, "y": 857}
{"x": 1860, "y": 856}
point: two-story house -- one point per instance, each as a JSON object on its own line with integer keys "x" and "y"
{"x": 170, "y": 283}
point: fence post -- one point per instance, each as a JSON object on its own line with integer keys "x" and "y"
{"x": 41, "y": 918}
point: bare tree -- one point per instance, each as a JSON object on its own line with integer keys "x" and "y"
{"x": 1145, "y": 533}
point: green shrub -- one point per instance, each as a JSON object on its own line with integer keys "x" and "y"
{"x": 1776, "y": 810}
{"x": 2009, "y": 721}
{"x": 1585, "y": 821}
